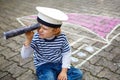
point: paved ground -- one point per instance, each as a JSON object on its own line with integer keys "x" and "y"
{"x": 101, "y": 64}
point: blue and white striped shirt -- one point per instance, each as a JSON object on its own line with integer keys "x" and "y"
{"x": 46, "y": 51}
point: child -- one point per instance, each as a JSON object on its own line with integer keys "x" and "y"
{"x": 51, "y": 49}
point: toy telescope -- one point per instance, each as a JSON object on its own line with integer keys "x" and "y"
{"x": 19, "y": 31}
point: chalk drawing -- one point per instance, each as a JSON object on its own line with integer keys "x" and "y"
{"x": 101, "y": 26}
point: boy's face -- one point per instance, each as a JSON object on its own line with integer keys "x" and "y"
{"x": 45, "y": 32}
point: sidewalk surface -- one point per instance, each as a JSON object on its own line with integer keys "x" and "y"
{"x": 97, "y": 58}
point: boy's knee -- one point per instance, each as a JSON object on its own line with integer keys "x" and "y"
{"x": 46, "y": 77}
{"x": 80, "y": 74}
{"x": 75, "y": 74}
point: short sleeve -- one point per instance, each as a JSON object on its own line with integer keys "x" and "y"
{"x": 65, "y": 46}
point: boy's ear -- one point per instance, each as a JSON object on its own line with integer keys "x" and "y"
{"x": 57, "y": 31}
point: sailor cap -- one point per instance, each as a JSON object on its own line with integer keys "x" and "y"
{"x": 51, "y": 17}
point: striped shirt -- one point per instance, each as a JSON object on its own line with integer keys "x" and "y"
{"x": 46, "y": 51}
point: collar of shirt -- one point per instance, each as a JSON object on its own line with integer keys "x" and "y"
{"x": 50, "y": 39}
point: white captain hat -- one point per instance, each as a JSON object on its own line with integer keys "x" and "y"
{"x": 51, "y": 17}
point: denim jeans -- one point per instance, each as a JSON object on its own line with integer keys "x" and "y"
{"x": 50, "y": 71}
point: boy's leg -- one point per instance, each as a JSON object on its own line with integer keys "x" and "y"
{"x": 74, "y": 74}
{"x": 45, "y": 74}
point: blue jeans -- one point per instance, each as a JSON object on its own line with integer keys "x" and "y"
{"x": 50, "y": 71}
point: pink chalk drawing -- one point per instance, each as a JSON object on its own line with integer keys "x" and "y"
{"x": 27, "y": 20}
{"x": 101, "y": 25}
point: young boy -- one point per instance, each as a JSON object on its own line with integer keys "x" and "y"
{"x": 51, "y": 48}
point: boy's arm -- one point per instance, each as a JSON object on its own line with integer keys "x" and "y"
{"x": 26, "y": 51}
{"x": 65, "y": 65}
{"x": 66, "y": 60}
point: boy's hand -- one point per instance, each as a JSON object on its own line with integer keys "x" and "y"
{"x": 63, "y": 74}
{"x": 29, "y": 36}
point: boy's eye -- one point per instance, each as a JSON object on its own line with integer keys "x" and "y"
{"x": 45, "y": 28}
{"x": 39, "y": 27}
